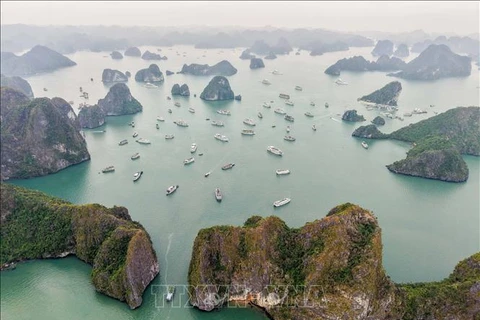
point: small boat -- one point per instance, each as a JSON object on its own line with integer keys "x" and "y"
{"x": 289, "y": 103}
{"x": 132, "y": 124}
{"x": 288, "y": 129}
{"x": 161, "y": 119}
{"x": 99, "y": 131}
{"x": 289, "y": 118}
{"x": 135, "y": 156}
{"x": 266, "y": 105}
{"x": 249, "y": 122}
{"x": 181, "y": 123}
{"x": 170, "y": 293}
{"x": 265, "y": 81}
{"x": 221, "y": 137}
{"x": 169, "y": 110}
{"x": 279, "y": 111}
{"x": 168, "y": 98}
{"x": 191, "y": 110}
{"x": 169, "y": 136}
{"x": 200, "y": 154}
{"x": 188, "y": 161}
{"x": 81, "y": 89}
{"x": 309, "y": 114}
{"x": 326, "y": 105}
{"x": 177, "y": 104}
{"x": 108, "y": 169}
{"x": 171, "y": 189}
{"x": 207, "y": 119}
{"x": 157, "y": 125}
{"x": 137, "y": 175}
{"x": 135, "y": 134}
{"x": 217, "y": 123}
{"x": 207, "y": 174}
{"x": 123, "y": 142}
{"x": 314, "y": 128}
{"x": 228, "y": 166}
{"x": 284, "y": 96}
{"x": 218, "y": 195}
{"x": 248, "y": 132}
{"x": 364, "y": 144}
{"x": 282, "y": 202}
{"x": 276, "y": 72}
{"x": 193, "y": 148}
{"x": 143, "y": 141}
{"x": 407, "y": 114}
{"x": 224, "y": 112}
{"x": 273, "y": 126}
{"x": 289, "y": 138}
{"x": 260, "y": 115}
{"x": 339, "y": 81}
{"x": 150, "y": 85}
{"x": 275, "y": 151}
{"x": 298, "y": 88}
{"x": 282, "y": 172}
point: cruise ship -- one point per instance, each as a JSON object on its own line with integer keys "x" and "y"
{"x": 284, "y": 96}
{"x": 248, "y": 132}
{"x": 108, "y": 169}
{"x": 143, "y": 141}
{"x": 279, "y": 111}
{"x": 289, "y": 118}
{"x": 181, "y": 123}
{"x": 275, "y": 151}
{"x": 224, "y": 112}
{"x": 282, "y": 202}
{"x": 249, "y": 122}
{"x": 220, "y": 137}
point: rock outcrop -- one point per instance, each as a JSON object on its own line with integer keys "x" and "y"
{"x": 386, "y": 63}
{"x": 116, "y": 55}
{"x": 352, "y": 116}
{"x": 128, "y": 74}
{"x": 360, "y": 64}
{"x": 38, "y": 60}
{"x": 39, "y": 136}
{"x": 35, "y": 226}
{"x": 247, "y": 55}
{"x": 318, "y": 48}
{"x": 147, "y": 55}
{"x": 110, "y": 76}
{"x": 437, "y": 61}
{"x": 223, "y": 68}
{"x": 383, "y": 47}
{"x": 18, "y": 84}
{"x": 270, "y": 56}
{"x": 91, "y": 117}
{"x": 261, "y": 47}
{"x": 178, "y": 90}
{"x": 379, "y": 121}
{"x": 369, "y": 132}
{"x": 217, "y": 89}
{"x": 238, "y": 97}
{"x": 169, "y": 73}
{"x": 388, "y": 95}
{"x": 133, "y": 52}
{"x": 402, "y": 51}
{"x": 151, "y": 74}
{"x": 256, "y": 63}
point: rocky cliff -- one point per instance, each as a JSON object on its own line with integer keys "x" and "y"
{"x": 39, "y": 59}
{"x": 383, "y": 47}
{"x": 270, "y": 56}
{"x": 39, "y": 136}
{"x": 379, "y": 121}
{"x": 35, "y": 226}
{"x": 178, "y": 90}
{"x": 352, "y": 116}
{"x": 247, "y": 55}
{"x": 147, "y": 55}
{"x": 256, "y": 63}
{"x": 360, "y": 64}
{"x": 370, "y": 132}
{"x": 116, "y": 55}
{"x": 133, "y": 52}
{"x": 435, "y": 62}
{"x": 217, "y": 89}
{"x": 402, "y": 51}
{"x": 18, "y": 84}
{"x": 386, "y": 63}
{"x": 388, "y": 95}
{"x": 119, "y": 101}
{"x": 223, "y": 68}
{"x": 109, "y": 76}
{"x": 151, "y": 74}
{"x": 318, "y": 48}
{"x": 91, "y": 117}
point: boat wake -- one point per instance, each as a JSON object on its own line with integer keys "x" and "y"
{"x": 166, "y": 255}
{"x": 335, "y": 119}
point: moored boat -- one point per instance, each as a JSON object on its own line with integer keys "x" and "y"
{"x": 135, "y": 156}
{"x": 314, "y": 128}
{"x": 260, "y": 115}
{"x": 181, "y": 123}
{"x": 224, "y": 112}
{"x": 282, "y": 202}
{"x": 221, "y": 137}
{"x": 123, "y": 142}
{"x": 339, "y": 81}
{"x": 177, "y": 104}
{"x": 189, "y": 160}
{"x": 265, "y": 81}
{"x": 160, "y": 119}
{"x": 171, "y": 189}
{"x": 249, "y": 122}
{"x": 191, "y": 110}
{"x": 169, "y": 136}
{"x": 282, "y": 172}
{"x": 207, "y": 174}
{"x": 143, "y": 141}
{"x": 135, "y": 134}
{"x": 289, "y": 118}
{"x": 364, "y": 144}
{"x": 218, "y": 194}
{"x": 312, "y": 104}
{"x": 157, "y": 125}
{"x": 137, "y": 175}
{"x": 217, "y": 123}
{"x": 108, "y": 169}
{"x": 289, "y": 103}
{"x": 298, "y": 88}
{"x": 193, "y": 148}
{"x": 275, "y": 151}
{"x": 289, "y": 138}
{"x": 170, "y": 293}
{"x": 228, "y": 166}
{"x": 266, "y": 105}
{"x": 279, "y": 111}
{"x": 326, "y": 105}
{"x": 248, "y": 132}
{"x": 309, "y": 114}
{"x": 284, "y": 96}
{"x": 169, "y": 110}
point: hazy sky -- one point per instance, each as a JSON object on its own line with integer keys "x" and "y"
{"x": 456, "y": 17}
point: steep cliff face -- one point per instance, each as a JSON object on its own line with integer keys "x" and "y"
{"x": 151, "y": 74}
{"x": 223, "y": 68}
{"x": 182, "y": 90}
{"x": 388, "y": 95}
{"x": 256, "y": 63}
{"x": 18, "y": 84}
{"x": 383, "y": 47}
{"x": 119, "y": 101}
{"x": 247, "y": 55}
{"x": 370, "y": 132}
{"x": 38, "y": 137}
{"x": 352, "y": 116}
{"x": 109, "y": 76}
{"x": 36, "y": 226}
{"x": 133, "y": 52}
{"x": 337, "y": 259}
{"x": 402, "y": 51}
{"x": 217, "y": 89}
{"x": 147, "y": 55}
{"x": 91, "y": 117}
{"x": 116, "y": 55}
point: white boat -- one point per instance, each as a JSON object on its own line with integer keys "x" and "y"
{"x": 137, "y": 175}
{"x": 123, "y": 142}
{"x": 364, "y": 144}
{"x": 284, "y": 96}
{"x": 289, "y": 118}
{"x": 282, "y": 172}
{"x": 169, "y": 136}
{"x": 191, "y": 110}
{"x": 193, "y": 148}
{"x": 150, "y": 85}
{"x": 314, "y": 128}
{"x": 275, "y": 151}
{"x": 177, "y": 104}
{"x": 108, "y": 169}
{"x": 298, "y": 88}
{"x": 143, "y": 141}
{"x": 279, "y": 111}
{"x": 288, "y": 129}
{"x": 248, "y": 132}
{"x": 217, "y": 123}
{"x": 260, "y": 115}
{"x": 312, "y": 104}
{"x": 265, "y": 81}
{"x": 266, "y": 105}
{"x": 218, "y": 194}
{"x": 309, "y": 114}
{"x": 135, "y": 134}
{"x": 171, "y": 189}
{"x": 289, "y": 138}
{"x": 221, "y": 137}
{"x": 289, "y": 103}
{"x": 224, "y": 112}
{"x": 135, "y": 156}
{"x": 170, "y": 293}
{"x": 276, "y": 72}
{"x": 181, "y": 123}
{"x": 161, "y": 119}
{"x": 189, "y": 160}
{"x": 282, "y": 202}
{"x": 207, "y": 174}
{"x": 339, "y": 81}
{"x": 228, "y": 166}
{"x": 249, "y": 122}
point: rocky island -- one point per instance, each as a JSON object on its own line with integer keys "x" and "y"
{"x": 271, "y": 56}
{"x": 247, "y": 55}
{"x": 39, "y": 136}
{"x": 402, "y": 51}
{"x": 109, "y": 76}
{"x": 217, "y": 89}
{"x": 328, "y": 269}
{"x": 383, "y": 47}
{"x": 133, "y": 52}
{"x": 435, "y": 62}
{"x": 388, "y": 95}
{"x": 116, "y": 55}
{"x": 182, "y": 90}
{"x": 18, "y": 84}
{"x": 223, "y": 68}
{"x": 360, "y": 64}
{"x": 36, "y": 226}
{"x": 352, "y": 116}
{"x": 151, "y": 74}
{"x": 256, "y": 63}
{"x": 369, "y": 132}
{"x": 379, "y": 121}
{"x": 38, "y": 60}
{"x": 147, "y": 55}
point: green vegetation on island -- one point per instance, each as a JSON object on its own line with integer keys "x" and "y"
{"x": 223, "y": 68}
{"x": 18, "y": 84}
{"x": 217, "y": 89}
{"x": 388, "y": 95}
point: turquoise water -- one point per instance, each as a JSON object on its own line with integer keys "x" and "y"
{"x": 428, "y": 226}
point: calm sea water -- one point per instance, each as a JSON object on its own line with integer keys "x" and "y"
{"x": 428, "y": 226}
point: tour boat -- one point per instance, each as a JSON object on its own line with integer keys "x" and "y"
{"x": 282, "y": 172}
{"x": 220, "y": 137}
{"x": 143, "y": 141}
{"x": 289, "y": 103}
{"x": 248, "y": 132}
{"x": 249, "y": 122}
{"x": 137, "y": 175}
{"x": 171, "y": 189}
{"x": 193, "y": 148}
{"x": 217, "y": 123}
{"x": 224, "y": 112}
{"x": 284, "y": 96}
{"x": 289, "y": 118}
{"x": 108, "y": 169}
{"x": 170, "y": 293}
{"x": 282, "y": 202}
{"x": 298, "y": 88}
{"x": 309, "y": 114}
{"x": 218, "y": 195}
{"x": 279, "y": 111}
{"x": 169, "y": 136}
{"x": 364, "y": 144}
{"x": 135, "y": 156}
{"x": 123, "y": 142}
{"x": 228, "y": 166}
{"x": 274, "y": 150}
{"x": 289, "y": 138}
{"x": 181, "y": 123}
{"x": 188, "y": 161}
